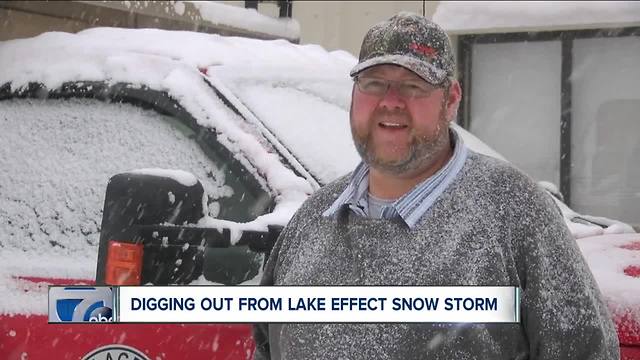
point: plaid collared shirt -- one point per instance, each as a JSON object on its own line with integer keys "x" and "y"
{"x": 410, "y": 206}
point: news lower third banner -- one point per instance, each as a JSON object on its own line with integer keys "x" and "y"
{"x": 284, "y": 304}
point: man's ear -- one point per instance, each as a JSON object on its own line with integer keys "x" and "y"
{"x": 453, "y": 101}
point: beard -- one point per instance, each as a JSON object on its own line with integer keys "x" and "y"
{"x": 423, "y": 149}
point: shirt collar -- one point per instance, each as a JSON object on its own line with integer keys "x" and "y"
{"x": 412, "y": 205}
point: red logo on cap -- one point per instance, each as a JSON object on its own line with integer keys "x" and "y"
{"x": 425, "y": 50}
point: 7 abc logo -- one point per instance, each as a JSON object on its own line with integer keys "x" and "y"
{"x": 80, "y": 304}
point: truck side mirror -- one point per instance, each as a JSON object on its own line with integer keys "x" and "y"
{"x": 136, "y": 199}
{"x": 149, "y": 235}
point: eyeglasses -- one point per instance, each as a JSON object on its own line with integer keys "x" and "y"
{"x": 407, "y": 89}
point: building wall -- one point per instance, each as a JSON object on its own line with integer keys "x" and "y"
{"x": 343, "y": 24}
{"x": 22, "y": 19}
{"x": 332, "y": 24}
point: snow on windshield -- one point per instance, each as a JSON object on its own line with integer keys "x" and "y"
{"x": 307, "y": 113}
{"x": 57, "y": 157}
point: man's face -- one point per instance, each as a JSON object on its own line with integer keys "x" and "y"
{"x": 400, "y": 135}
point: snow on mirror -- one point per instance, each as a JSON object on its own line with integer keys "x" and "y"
{"x": 58, "y": 155}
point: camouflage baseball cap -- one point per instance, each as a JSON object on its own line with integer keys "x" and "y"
{"x": 411, "y": 41}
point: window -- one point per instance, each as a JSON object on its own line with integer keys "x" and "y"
{"x": 563, "y": 107}
{"x": 524, "y": 76}
{"x": 59, "y": 153}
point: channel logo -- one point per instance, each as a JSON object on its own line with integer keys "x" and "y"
{"x": 80, "y": 304}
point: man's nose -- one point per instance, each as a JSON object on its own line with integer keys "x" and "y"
{"x": 392, "y": 99}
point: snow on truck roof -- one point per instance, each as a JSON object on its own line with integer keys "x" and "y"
{"x": 131, "y": 54}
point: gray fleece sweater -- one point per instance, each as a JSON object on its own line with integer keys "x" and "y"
{"x": 492, "y": 226}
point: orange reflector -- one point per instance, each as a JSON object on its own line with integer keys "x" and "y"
{"x": 124, "y": 263}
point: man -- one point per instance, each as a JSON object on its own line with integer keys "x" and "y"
{"x": 421, "y": 209}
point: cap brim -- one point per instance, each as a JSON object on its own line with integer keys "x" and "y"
{"x": 425, "y": 70}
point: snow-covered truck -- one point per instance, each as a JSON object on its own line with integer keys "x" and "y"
{"x": 242, "y": 130}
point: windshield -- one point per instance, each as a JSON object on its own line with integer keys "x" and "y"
{"x": 308, "y": 113}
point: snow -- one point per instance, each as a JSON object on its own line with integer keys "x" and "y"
{"x": 25, "y": 297}
{"x": 314, "y": 77}
{"x": 320, "y": 136}
{"x": 502, "y": 16}
{"x": 211, "y": 112}
{"x": 134, "y": 56}
{"x": 236, "y": 229}
{"x": 226, "y": 16}
{"x": 607, "y": 259}
{"x": 298, "y": 115}
{"x": 579, "y": 230}
{"x": 241, "y": 18}
{"x": 58, "y": 156}
{"x": 137, "y": 56}
{"x": 54, "y": 173}
{"x": 181, "y": 176}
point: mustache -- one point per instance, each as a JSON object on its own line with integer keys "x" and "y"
{"x": 383, "y": 114}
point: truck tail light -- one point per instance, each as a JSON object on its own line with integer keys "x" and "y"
{"x": 124, "y": 263}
